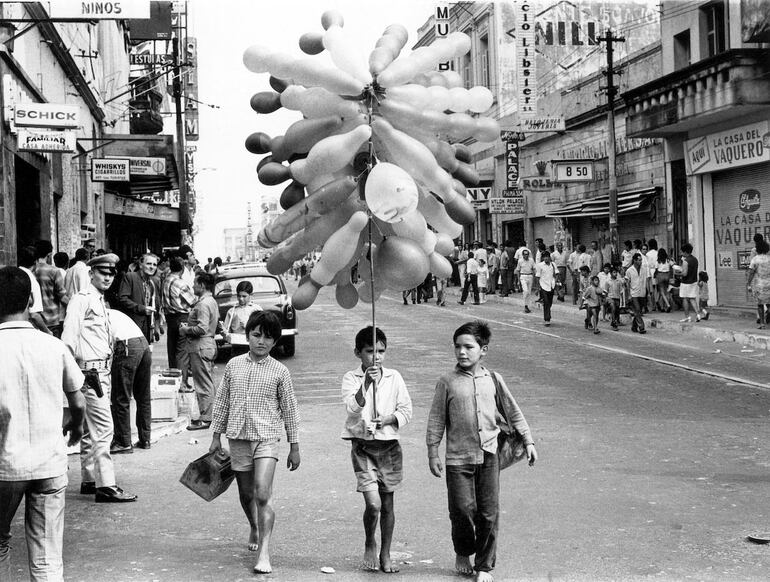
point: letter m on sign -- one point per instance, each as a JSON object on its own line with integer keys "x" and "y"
{"x": 442, "y": 12}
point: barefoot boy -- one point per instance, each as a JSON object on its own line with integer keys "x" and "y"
{"x": 255, "y": 398}
{"x": 375, "y": 450}
{"x": 464, "y": 407}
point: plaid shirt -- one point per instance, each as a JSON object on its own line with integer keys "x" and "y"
{"x": 52, "y": 289}
{"x": 254, "y": 400}
{"x": 176, "y": 295}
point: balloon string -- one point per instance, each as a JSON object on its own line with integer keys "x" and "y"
{"x": 369, "y": 166}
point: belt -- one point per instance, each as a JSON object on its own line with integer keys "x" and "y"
{"x": 96, "y": 364}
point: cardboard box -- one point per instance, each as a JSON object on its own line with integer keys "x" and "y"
{"x": 165, "y": 408}
{"x": 162, "y": 386}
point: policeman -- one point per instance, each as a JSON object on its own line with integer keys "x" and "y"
{"x": 88, "y": 335}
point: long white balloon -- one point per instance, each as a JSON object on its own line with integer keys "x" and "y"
{"x": 344, "y": 53}
{"x": 330, "y": 154}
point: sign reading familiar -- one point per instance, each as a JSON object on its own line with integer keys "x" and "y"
{"x": 46, "y": 115}
{"x": 115, "y": 10}
{"x": 41, "y": 140}
{"x": 110, "y": 170}
{"x": 741, "y": 146}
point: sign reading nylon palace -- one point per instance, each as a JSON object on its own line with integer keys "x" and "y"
{"x": 525, "y": 57}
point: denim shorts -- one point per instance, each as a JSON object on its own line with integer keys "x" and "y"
{"x": 243, "y": 453}
{"x": 378, "y": 465}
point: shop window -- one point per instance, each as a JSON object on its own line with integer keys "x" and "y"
{"x": 682, "y": 50}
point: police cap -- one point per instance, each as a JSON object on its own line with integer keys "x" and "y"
{"x": 108, "y": 261}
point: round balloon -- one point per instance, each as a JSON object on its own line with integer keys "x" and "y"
{"x": 390, "y": 192}
{"x": 401, "y": 263}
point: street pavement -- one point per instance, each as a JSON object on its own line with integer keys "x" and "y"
{"x": 653, "y": 461}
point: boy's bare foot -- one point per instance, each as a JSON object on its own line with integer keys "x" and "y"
{"x": 463, "y": 565}
{"x": 484, "y": 577}
{"x": 254, "y": 540}
{"x": 263, "y": 563}
{"x": 369, "y": 563}
{"x": 387, "y": 566}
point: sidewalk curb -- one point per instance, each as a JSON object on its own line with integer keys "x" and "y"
{"x": 753, "y": 340}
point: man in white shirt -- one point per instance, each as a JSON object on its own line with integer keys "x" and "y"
{"x": 26, "y": 260}
{"x": 573, "y": 265}
{"x": 525, "y": 268}
{"x": 188, "y": 275}
{"x": 559, "y": 260}
{"x": 471, "y": 280}
{"x": 548, "y": 277}
{"x": 77, "y": 277}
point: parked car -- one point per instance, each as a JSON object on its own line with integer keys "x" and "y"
{"x": 269, "y": 293}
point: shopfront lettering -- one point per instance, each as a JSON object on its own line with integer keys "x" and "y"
{"x": 749, "y": 200}
{"x": 738, "y": 152}
{"x": 740, "y": 236}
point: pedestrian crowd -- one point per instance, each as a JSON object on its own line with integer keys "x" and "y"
{"x": 642, "y": 279}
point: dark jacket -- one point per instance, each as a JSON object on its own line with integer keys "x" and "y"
{"x": 132, "y": 302}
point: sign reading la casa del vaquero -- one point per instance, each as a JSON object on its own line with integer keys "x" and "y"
{"x": 741, "y": 146}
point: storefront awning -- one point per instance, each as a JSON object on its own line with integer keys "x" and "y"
{"x": 629, "y": 202}
{"x": 138, "y": 146}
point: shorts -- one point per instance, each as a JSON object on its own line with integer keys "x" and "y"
{"x": 378, "y": 465}
{"x": 688, "y": 290}
{"x": 243, "y": 452}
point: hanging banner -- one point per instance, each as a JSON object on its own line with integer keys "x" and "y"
{"x": 441, "y": 28}
{"x": 526, "y": 82}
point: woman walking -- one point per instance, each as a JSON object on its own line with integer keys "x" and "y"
{"x": 662, "y": 279}
{"x": 759, "y": 282}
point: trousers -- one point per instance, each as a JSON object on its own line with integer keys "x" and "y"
{"x": 472, "y": 281}
{"x": 203, "y": 352}
{"x": 131, "y": 375}
{"x": 43, "y": 526}
{"x": 473, "y": 492}
{"x": 95, "y": 459}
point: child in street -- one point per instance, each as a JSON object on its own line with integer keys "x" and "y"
{"x": 464, "y": 407}
{"x": 238, "y": 315}
{"x": 483, "y": 279}
{"x": 377, "y": 405}
{"x": 703, "y": 294}
{"x": 255, "y": 398}
{"x": 615, "y": 288}
{"x": 592, "y": 298}
{"x": 604, "y": 278}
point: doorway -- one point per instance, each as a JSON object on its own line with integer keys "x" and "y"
{"x": 28, "y": 204}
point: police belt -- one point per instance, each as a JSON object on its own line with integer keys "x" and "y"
{"x": 98, "y": 365}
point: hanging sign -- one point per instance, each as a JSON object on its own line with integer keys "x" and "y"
{"x": 543, "y": 124}
{"x": 145, "y": 166}
{"x": 46, "y": 115}
{"x": 110, "y": 170}
{"x": 507, "y": 205}
{"x": 116, "y": 10}
{"x": 441, "y": 28}
{"x": 40, "y": 140}
{"x": 525, "y": 59}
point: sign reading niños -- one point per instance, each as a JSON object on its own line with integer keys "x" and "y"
{"x": 742, "y": 146}
{"x": 116, "y": 10}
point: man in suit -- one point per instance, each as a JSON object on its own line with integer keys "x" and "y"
{"x": 139, "y": 297}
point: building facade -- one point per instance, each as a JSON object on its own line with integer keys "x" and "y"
{"x": 711, "y": 106}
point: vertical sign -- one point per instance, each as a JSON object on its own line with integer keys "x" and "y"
{"x": 191, "y": 89}
{"x": 525, "y": 61}
{"x": 441, "y": 28}
{"x": 514, "y": 200}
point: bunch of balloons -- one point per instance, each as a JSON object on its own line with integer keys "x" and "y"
{"x": 374, "y": 148}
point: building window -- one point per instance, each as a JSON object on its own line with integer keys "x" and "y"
{"x": 484, "y": 61}
{"x": 715, "y": 28}
{"x": 682, "y": 50}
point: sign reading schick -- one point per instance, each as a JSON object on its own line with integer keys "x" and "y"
{"x": 46, "y": 115}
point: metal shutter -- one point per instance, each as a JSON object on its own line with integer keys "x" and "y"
{"x": 734, "y": 228}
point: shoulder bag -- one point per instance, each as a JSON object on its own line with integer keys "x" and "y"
{"x": 510, "y": 444}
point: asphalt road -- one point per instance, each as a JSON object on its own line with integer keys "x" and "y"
{"x": 653, "y": 465}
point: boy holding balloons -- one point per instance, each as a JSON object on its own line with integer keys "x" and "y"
{"x": 377, "y": 405}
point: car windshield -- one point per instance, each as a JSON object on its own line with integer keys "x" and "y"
{"x": 261, "y": 284}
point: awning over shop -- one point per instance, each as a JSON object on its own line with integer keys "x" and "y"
{"x": 629, "y": 202}
{"x": 142, "y": 146}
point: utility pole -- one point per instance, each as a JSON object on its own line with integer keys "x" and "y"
{"x": 612, "y": 90}
{"x": 184, "y": 201}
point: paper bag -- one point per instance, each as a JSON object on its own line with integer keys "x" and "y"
{"x": 208, "y": 476}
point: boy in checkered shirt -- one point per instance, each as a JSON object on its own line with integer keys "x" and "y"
{"x": 377, "y": 405}
{"x": 255, "y": 401}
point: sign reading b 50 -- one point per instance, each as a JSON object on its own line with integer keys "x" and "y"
{"x": 573, "y": 170}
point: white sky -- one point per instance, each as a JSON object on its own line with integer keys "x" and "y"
{"x": 224, "y": 29}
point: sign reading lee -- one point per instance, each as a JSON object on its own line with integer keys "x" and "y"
{"x": 110, "y": 170}
{"x": 748, "y": 144}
